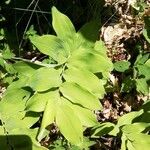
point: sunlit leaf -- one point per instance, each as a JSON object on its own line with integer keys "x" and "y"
{"x": 69, "y": 124}
{"x": 38, "y": 102}
{"x": 49, "y": 112}
{"x": 62, "y": 25}
{"x": 51, "y": 46}
{"x": 91, "y": 60}
{"x": 25, "y": 68}
{"x": 13, "y": 101}
{"x": 83, "y": 78}
{"x": 142, "y": 86}
{"x": 79, "y": 95}
{"x": 44, "y": 79}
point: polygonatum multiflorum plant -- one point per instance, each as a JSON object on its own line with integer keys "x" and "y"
{"x": 64, "y": 93}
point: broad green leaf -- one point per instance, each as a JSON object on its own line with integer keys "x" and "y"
{"x": 90, "y": 59}
{"x": 38, "y": 102}
{"x": 44, "y": 79}
{"x": 88, "y": 34}
{"x": 139, "y": 140}
{"x": 129, "y": 145}
{"x": 49, "y": 112}
{"x": 102, "y": 129}
{"x": 24, "y": 68}
{"x": 79, "y": 95}
{"x": 87, "y": 117}
{"x": 121, "y": 66}
{"x": 145, "y": 69}
{"x": 141, "y": 59}
{"x": 86, "y": 144}
{"x": 142, "y": 86}
{"x": 7, "y": 54}
{"x": 128, "y": 118}
{"x": 20, "y": 119}
{"x": 83, "y": 78}
{"x": 51, "y": 46}
{"x": 21, "y": 82}
{"x": 13, "y": 101}
{"x": 62, "y": 25}
{"x": 135, "y": 127}
{"x": 69, "y": 124}
{"x": 101, "y": 48}
{"x": 114, "y": 131}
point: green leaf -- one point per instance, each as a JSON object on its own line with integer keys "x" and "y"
{"x": 141, "y": 59}
{"x": 121, "y": 66}
{"x": 62, "y": 25}
{"x": 128, "y": 118}
{"x": 7, "y": 54}
{"x": 13, "y": 101}
{"x": 49, "y": 112}
{"x": 2, "y": 62}
{"x": 21, "y": 82}
{"x": 127, "y": 85}
{"x": 24, "y": 68}
{"x": 129, "y": 145}
{"x": 43, "y": 79}
{"x": 83, "y": 78}
{"x": 142, "y": 86}
{"x": 87, "y": 117}
{"x": 20, "y": 119}
{"x": 87, "y": 143}
{"x": 146, "y": 34}
{"x": 79, "y": 95}
{"x": 145, "y": 69}
{"x": 88, "y": 34}
{"x": 69, "y": 124}
{"x": 101, "y": 48}
{"x": 51, "y": 46}
{"x": 139, "y": 140}
{"x": 90, "y": 59}
{"x": 102, "y": 129}
{"x": 38, "y": 102}
{"x": 135, "y": 127}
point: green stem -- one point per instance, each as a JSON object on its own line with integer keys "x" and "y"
{"x": 37, "y": 62}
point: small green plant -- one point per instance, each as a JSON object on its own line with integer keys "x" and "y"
{"x": 139, "y": 74}
{"x": 133, "y": 129}
{"x": 66, "y": 92}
